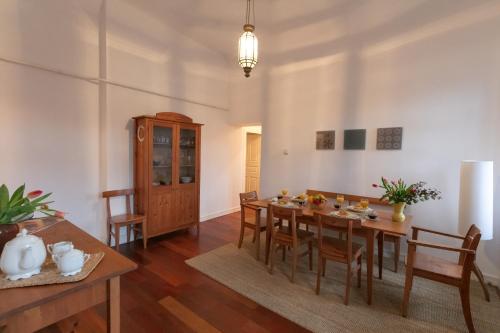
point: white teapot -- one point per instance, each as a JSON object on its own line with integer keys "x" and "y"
{"x": 23, "y": 256}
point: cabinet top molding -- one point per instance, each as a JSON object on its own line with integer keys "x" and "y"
{"x": 169, "y": 116}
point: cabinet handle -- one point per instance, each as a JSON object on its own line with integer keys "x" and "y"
{"x": 139, "y": 129}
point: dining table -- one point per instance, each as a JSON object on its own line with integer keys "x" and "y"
{"x": 371, "y": 230}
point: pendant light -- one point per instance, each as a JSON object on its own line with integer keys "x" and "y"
{"x": 248, "y": 46}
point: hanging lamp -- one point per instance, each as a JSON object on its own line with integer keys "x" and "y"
{"x": 248, "y": 46}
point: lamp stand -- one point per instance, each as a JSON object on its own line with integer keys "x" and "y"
{"x": 480, "y": 277}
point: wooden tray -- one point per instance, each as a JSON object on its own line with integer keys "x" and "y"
{"x": 50, "y": 274}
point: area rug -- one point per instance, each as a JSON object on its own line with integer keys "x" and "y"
{"x": 433, "y": 307}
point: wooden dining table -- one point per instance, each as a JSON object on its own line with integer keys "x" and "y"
{"x": 370, "y": 230}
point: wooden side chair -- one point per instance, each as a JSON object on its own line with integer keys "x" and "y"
{"x": 251, "y": 218}
{"x": 289, "y": 237}
{"x": 453, "y": 273}
{"x": 133, "y": 222}
{"x": 343, "y": 251}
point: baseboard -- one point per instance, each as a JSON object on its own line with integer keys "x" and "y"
{"x": 219, "y": 213}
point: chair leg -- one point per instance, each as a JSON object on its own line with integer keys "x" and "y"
{"x": 348, "y": 283}
{"x": 109, "y": 234}
{"x": 117, "y": 237}
{"x": 310, "y": 245}
{"x": 144, "y": 234}
{"x": 464, "y": 297}
{"x": 318, "y": 277}
{"x": 254, "y": 235}
{"x": 359, "y": 271}
{"x": 272, "y": 254}
{"x": 284, "y": 253}
{"x": 257, "y": 243}
{"x": 406, "y": 295}
{"x": 480, "y": 277}
{"x": 380, "y": 253}
{"x": 324, "y": 266}
{"x": 294, "y": 263}
{"x": 397, "y": 248}
{"x": 242, "y": 233}
{"x": 128, "y": 232}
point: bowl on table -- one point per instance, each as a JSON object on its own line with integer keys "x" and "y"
{"x": 372, "y": 215}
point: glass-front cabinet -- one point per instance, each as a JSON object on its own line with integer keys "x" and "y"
{"x": 167, "y": 172}
{"x": 187, "y": 156}
{"x": 162, "y": 157}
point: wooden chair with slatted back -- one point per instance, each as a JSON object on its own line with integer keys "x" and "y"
{"x": 433, "y": 268}
{"x": 251, "y": 218}
{"x": 343, "y": 251}
{"x": 289, "y": 236}
{"x": 133, "y": 222}
{"x": 386, "y": 236}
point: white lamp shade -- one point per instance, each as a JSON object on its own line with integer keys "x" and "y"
{"x": 248, "y": 50}
{"x": 476, "y": 197}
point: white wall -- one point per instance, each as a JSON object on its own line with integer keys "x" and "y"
{"x": 431, "y": 68}
{"x": 50, "y": 124}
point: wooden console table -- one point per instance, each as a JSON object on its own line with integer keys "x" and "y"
{"x": 32, "y": 308}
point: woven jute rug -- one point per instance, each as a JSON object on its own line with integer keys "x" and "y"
{"x": 433, "y": 307}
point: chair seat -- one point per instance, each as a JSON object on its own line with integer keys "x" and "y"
{"x": 284, "y": 233}
{"x": 126, "y": 219}
{"x": 438, "y": 266}
{"x": 338, "y": 247}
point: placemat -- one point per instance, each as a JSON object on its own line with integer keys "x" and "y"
{"x": 50, "y": 274}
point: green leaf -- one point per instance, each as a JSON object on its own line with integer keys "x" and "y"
{"x": 4, "y": 198}
{"x": 40, "y": 199}
{"x": 17, "y": 196}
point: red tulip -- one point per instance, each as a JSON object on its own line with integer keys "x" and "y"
{"x": 59, "y": 214}
{"x": 34, "y": 194}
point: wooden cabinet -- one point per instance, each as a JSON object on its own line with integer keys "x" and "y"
{"x": 167, "y": 172}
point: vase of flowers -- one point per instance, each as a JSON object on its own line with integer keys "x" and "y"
{"x": 400, "y": 194}
{"x": 317, "y": 201}
{"x": 19, "y": 207}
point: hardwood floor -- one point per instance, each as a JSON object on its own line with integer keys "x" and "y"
{"x": 166, "y": 295}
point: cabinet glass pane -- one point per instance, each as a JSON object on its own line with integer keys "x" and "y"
{"x": 187, "y": 156}
{"x": 162, "y": 155}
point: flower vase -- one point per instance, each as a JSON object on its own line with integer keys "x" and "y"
{"x": 397, "y": 215}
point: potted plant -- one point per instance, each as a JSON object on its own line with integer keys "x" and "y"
{"x": 317, "y": 201}
{"x": 400, "y": 194}
{"x": 19, "y": 207}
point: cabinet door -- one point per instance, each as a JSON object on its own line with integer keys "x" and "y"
{"x": 162, "y": 211}
{"x": 162, "y": 155}
{"x": 187, "y": 204}
{"x": 187, "y": 159}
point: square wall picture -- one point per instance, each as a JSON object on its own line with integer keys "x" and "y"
{"x": 354, "y": 139}
{"x": 325, "y": 140}
{"x": 390, "y": 138}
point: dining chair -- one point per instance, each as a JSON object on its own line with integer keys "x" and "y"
{"x": 133, "y": 222}
{"x": 433, "y": 268}
{"x": 251, "y": 218}
{"x": 343, "y": 251}
{"x": 290, "y": 236}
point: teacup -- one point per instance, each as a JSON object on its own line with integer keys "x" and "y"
{"x": 71, "y": 262}
{"x": 59, "y": 248}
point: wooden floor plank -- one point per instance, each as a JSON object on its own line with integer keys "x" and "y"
{"x": 188, "y": 317}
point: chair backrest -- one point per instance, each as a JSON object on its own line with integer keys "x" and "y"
{"x": 323, "y": 220}
{"x": 248, "y": 197}
{"x": 289, "y": 214}
{"x": 118, "y": 193}
{"x": 350, "y": 198}
{"x": 471, "y": 242}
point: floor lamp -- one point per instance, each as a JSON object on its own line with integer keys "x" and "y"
{"x": 476, "y": 203}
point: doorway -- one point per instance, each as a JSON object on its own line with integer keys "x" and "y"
{"x": 252, "y": 162}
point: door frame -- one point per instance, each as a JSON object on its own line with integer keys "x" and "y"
{"x": 256, "y": 129}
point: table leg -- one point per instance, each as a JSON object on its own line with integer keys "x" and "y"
{"x": 380, "y": 253}
{"x": 268, "y": 234}
{"x": 370, "y": 241}
{"x": 114, "y": 305}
